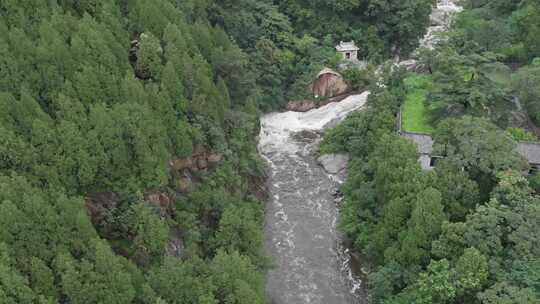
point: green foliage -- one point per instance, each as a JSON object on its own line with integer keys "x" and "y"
{"x": 471, "y": 270}
{"x": 100, "y": 278}
{"x": 476, "y": 145}
{"x": 149, "y": 57}
{"x": 359, "y": 79}
{"x": 526, "y": 83}
{"x": 239, "y": 230}
{"x": 525, "y": 274}
{"x": 503, "y": 293}
{"x": 459, "y": 193}
{"x": 289, "y": 41}
{"x": 83, "y": 115}
{"x": 415, "y": 115}
{"x": 235, "y": 279}
{"x": 519, "y": 134}
{"x": 463, "y": 232}
{"x": 152, "y": 234}
{"x": 182, "y": 282}
{"x": 360, "y": 132}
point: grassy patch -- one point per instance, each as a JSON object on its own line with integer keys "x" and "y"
{"x": 415, "y": 114}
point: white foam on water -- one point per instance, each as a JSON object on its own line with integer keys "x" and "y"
{"x": 277, "y": 128}
{"x": 444, "y": 7}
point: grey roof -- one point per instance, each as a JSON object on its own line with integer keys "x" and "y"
{"x": 347, "y": 46}
{"x": 424, "y": 142}
{"x": 530, "y": 151}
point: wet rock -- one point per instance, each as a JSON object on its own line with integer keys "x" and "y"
{"x": 334, "y": 163}
{"x": 301, "y": 106}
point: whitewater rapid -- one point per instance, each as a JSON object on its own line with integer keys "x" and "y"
{"x": 310, "y": 263}
{"x": 441, "y": 19}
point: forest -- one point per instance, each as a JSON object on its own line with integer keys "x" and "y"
{"x": 107, "y": 104}
{"x": 466, "y": 231}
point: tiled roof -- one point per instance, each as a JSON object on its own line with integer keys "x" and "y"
{"x": 347, "y": 46}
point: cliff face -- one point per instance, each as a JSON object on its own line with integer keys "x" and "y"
{"x": 185, "y": 174}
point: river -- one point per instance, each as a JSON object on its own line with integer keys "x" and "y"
{"x": 311, "y": 266}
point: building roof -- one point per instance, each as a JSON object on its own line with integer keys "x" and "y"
{"x": 530, "y": 151}
{"x": 424, "y": 142}
{"x": 347, "y": 46}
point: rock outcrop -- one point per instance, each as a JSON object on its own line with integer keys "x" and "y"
{"x": 99, "y": 204}
{"x": 329, "y": 83}
{"x": 160, "y": 200}
{"x": 301, "y": 106}
{"x": 185, "y": 170}
{"x": 334, "y": 163}
{"x": 201, "y": 160}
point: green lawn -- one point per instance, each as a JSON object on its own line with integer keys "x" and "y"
{"x": 415, "y": 114}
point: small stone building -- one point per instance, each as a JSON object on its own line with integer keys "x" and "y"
{"x": 530, "y": 152}
{"x": 329, "y": 83}
{"x": 424, "y": 145}
{"x": 348, "y": 50}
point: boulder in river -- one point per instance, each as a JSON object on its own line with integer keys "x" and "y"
{"x": 334, "y": 163}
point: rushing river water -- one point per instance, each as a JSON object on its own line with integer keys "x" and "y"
{"x": 311, "y": 266}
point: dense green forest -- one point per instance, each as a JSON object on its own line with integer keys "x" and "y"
{"x": 103, "y": 106}
{"x": 467, "y": 231}
{"x": 97, "y": 98}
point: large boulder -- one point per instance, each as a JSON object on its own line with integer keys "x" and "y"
{"x": 334, "y": 163}
{"x": 301, "y": 106}
{"x": 329, "y": 83}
